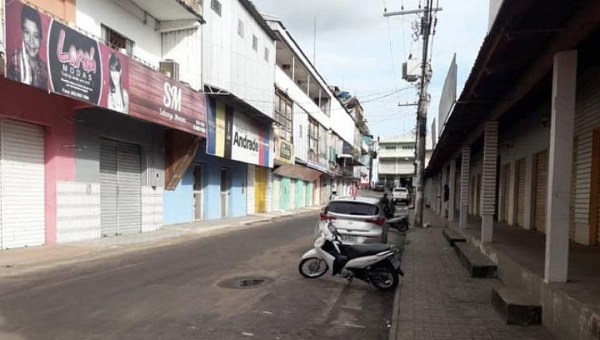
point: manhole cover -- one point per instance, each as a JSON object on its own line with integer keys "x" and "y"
{"x": 245, "y": 282}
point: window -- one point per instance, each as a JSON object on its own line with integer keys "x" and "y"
{"x": 215, "y": 5}
{"x": 313, "y": 136}
{"x": 408, "y": 147}
{"x": 283, "y": 111}
{"x": 322, "y": 142}
{"x": 240, "y": 28}
{"x": 117, "y": 40}
{"x": 254, "y": 43}
{"x": 390, "y": 148}
{"x": 352, "y": 208}
{"x": 266, "y": 54}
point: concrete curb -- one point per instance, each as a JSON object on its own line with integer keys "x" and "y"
{"x": 79, "y": 252}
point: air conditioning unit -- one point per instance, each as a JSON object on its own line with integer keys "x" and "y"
{"x": 411, "y": 70}
{"x": 170, "y": 68}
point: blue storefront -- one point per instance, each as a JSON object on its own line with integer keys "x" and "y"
{"x": 217, "y": 183}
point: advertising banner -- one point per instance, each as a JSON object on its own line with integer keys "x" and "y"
{"x": 159, "y": 99}
{"x": 44, "y": 53}
{"x": 232, "y": 135}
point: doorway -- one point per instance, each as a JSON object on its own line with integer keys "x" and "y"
{"x": 224, "y": 193}
{"x": 198, "y": 185}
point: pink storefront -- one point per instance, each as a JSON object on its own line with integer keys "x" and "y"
{"x": 36, "y": 151}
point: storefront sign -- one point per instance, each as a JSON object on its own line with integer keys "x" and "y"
{"x": 44, "y": 53}
{"x": 234, "y": 136}
{"x": 161, "y": 100}
{"x": 286, "y": 152}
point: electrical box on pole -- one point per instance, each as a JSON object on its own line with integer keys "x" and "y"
{"x": 411, "y": 70}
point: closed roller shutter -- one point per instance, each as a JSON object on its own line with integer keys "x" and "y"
{"x": 276, "y": 193}
{"x": 22, "y": 184}
{"x": 285, "y": 191}
{"x": 129, "y": 200}
{"x": 505, "y": 192}
{"x": 292, "y": 197}
{"x": 541, "y": 184}
{"x": 108, "y": 189}
{"x": 260, "y": 190}
{"x": 309, "y": 194}
{"x": 300, "y": 193}
{"x": 250, "y": 192}
{"x": 120, "y": 188}
{"x": 520, "y": 194}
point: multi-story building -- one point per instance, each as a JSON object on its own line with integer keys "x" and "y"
{"x": 230, "y": 174}
{"x": 397, "y": 160}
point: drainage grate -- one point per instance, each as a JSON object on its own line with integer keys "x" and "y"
{"x": 245, "y": 282}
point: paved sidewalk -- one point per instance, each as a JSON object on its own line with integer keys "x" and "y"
{"x": 438, "y": 300}
{"x": 23, "y": 260}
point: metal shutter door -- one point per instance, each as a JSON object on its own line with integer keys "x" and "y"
{"x": 129, "y": 181}
{"x": 23, "y": 184}
{"x": 250, "y": 199}
{"x": 292, "y": 198}
{"x": 541, "y": 184}
{"x": 260, "y": 190}
{"x": 520, "y": 195}
{"x": 309, "y": 194}
{"x": 108, "y": 188}
{"x": 285, "y": 185}
{"x": 505, "y": 192}
{"x": 276, "y": 193}
{"x": 299, "y": 194}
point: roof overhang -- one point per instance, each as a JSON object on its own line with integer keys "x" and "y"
{"x": 237, "y": 103}
{"x": 515, "y": 58}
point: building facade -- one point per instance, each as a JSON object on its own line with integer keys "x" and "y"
{"x": 522, "y": 170}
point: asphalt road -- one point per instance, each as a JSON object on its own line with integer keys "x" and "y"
{"x": 182, "y": 292}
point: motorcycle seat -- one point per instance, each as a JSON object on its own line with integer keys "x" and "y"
{"x": 358, "y": 250}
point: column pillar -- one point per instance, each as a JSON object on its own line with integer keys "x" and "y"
{"x": 452, "y": 185}
{"x": 511, "y": 192}
{"x": 488, "y": 186}
{"x": 465, "y": 181}
{"x": 527, "y": 213}
{"x": 564, "y": 81}
{"x": 444, "y": 183}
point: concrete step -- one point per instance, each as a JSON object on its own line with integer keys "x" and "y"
{"x": 477, "y": 264}
{"x": 516, "y": 307}
{"x": 452, "y": 236}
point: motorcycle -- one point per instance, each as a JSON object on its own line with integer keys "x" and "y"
{"x": 376, "y": 263}
{"x": 399, "y": 223}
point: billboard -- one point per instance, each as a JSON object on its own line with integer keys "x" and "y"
{"x": 448, "y": 97}
{"x": 44, "y": 53}
{"x": 161, "y": 100}
{"x": 232, "y": 135}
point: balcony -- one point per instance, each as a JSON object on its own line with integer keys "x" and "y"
{"x": 172, "y": 14}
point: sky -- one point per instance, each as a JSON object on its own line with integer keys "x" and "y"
{"x": 361, "y": 51}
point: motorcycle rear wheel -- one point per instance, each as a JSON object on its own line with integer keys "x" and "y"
{"x": 402, "y": 226}
{"x": 312, "y": 267}
{"x": 384, "y": 277}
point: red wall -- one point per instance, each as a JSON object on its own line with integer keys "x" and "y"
{"x": 25, "y": 103}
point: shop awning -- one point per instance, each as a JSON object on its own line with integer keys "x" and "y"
{"x": 318, "y": 166}
{"x": 298, "y": 172}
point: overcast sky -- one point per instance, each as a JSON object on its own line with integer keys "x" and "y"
{"x": 353, "y": 50}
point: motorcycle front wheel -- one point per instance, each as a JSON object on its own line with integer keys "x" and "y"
{"x": 384, "y": 277}
{"x": 313, "y": 267}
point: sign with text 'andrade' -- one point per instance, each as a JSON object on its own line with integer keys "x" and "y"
{"x": 232, "y": 135}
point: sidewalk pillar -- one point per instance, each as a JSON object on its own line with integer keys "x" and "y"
{"x": 564, "y": 82}
{"x": 465, "y": 179}
{"x": 527, "y": 213}
{"x": 488, "y": 186}
{"x": 444, "y": 183}
{"x": 452, "y": 185}
{"x": 512, "y": 181}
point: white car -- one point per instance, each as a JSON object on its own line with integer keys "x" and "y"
{"x": 358, "y": 219}
{"x": 400, "y": 195}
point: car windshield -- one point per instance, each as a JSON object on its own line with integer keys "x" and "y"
{"x": 353, "y": 208}
{"x": 400, "y": 190}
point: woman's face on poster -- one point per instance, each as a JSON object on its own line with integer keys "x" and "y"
{"x": 31, "y": 38}
{"x": 115, "y": 76}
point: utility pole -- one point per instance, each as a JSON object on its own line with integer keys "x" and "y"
{"x": 426, "y": 27}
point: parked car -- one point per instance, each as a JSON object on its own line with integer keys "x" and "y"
{"x": 400, "y": 195}
{"x": 358, "y": 219}
{"x": 379, "y": 187}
